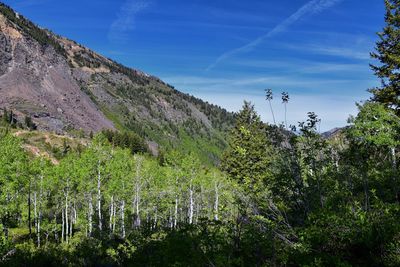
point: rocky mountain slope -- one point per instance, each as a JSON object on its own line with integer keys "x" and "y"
{"x": 64, "y": 86}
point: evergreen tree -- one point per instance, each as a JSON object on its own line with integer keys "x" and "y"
{"x": 66, "y": 147}
{"x": 249, "y": 154}
{"x": 388, "y": 54}
{"x": 29, "y": 123}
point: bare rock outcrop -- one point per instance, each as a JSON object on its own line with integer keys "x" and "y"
{"x": 35, "y": 79}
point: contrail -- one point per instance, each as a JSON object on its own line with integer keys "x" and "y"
{"x": 125, "y": 21}
{"x": 311, "y": 7}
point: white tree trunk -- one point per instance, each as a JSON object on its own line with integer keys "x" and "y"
{"x": 71, "y": 224}
{"x": 170, "y": 221}
{"x": 123, "y": 218}
{"x": 66, "y": 217}
{"x": 191, "y": 204}
{"x": 35, "y": 212}
{"x": 155, "y": 218}
{"x": 137, "y": 185}
{"x": 38, "y": 228}
{"x": 111, "y": 213}
{"x": 40, "y": 210}
{"x": 90, "y": 215}
{"x": 393, "y": 153}
{"x": 176, "y": 212}
{"x": 99, "y": 196}
{"x": 216, "y": 202}
{"x": 138, "y": 221}
{"x": 63, "y": 225}
{"x": 115, "y": 218}
{"x": 75, "y": 214}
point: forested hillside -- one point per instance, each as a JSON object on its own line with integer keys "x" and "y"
{"x": 67, "y": 88}
{"x": 282, "y": 196}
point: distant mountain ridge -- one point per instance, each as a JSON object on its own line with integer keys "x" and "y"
{"x": 64, "y": 86}
{"x": 333, "y": 132}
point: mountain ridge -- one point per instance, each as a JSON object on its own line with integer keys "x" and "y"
{"x": 65, "y": 86}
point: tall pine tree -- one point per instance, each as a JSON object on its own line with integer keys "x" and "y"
{"x": 388, "y": 54}
{"x": 249, "y": 155}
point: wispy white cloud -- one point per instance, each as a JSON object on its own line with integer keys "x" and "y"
{"x": 346, "y": 49}
{"x": 341, "y": 52}
{"x": 288, "y": 66}
{"x": 310, "y": 8}
{"x": 326, "y": 97}
{"x": 29, "y": 3}
{"x": 249, "y": 84}
{"x": 236, "y": 15}
{"x": 125, "y": 22}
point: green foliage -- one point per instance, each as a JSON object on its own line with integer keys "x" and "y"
{"x": 159, "y": 113}
{"x": 282, "y": 198}
{"x": 388, "y": 55}
{"x": 249, "y": 155}
{"x": 13, "y": 176}
{"x": 327, "y": 202}
{"x": 128, "y": 140}
{"x": 290, "y": 200}
{"x": 5, "y": 245}
{"x": 113, "y": 202}
{"x": 351, "y": 237}
{"x": 376, "y": 125}
{"x": 8, "y": 118}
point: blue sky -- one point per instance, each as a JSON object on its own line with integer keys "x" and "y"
{"x": 228, "y": 51}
